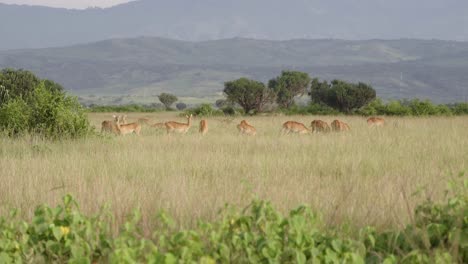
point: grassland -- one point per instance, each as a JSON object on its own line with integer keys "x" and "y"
{"x": 364, "y": 177}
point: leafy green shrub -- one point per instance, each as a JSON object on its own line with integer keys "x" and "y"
{"x": 56, "y": 115}
{"x": 60, "y": 234}
{"x": 232, "y": 111}
{"x": 50, "y": 113}
{"x": 422, "y": 108}
{"x": 204, "y": 110}
{"x": 460, "y": 109}
{"x": 15, "y": 117}
{"x": 310, "y": 109}
{"x": 257, "y": 234}
{"x": 396, "y": 108}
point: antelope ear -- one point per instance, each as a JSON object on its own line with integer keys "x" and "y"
{"x": 186, "y": 116}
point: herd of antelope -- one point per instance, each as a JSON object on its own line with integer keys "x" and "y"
{"x": 119, "y": 126}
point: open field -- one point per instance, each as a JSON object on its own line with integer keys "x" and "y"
{"x": 364, "y": 177}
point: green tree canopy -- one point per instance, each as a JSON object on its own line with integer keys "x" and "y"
{"x": 289, "y": 85}
{"x": 251, "y": 95}
{"x": 342, "y": 95}
{"x": 167, "y": 99}
{"x": 181, "y": 106}
{"x": 21, "y": 83}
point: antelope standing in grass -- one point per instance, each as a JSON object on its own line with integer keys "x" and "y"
{"x": 319, "y": 126}
{"x": 294, "y": 127}
{"x": 246, "y": 129}
{"x": 375, "y": 122}
{"x": 124, "y": 129}
{"x": 110, "y": 126}
{"x": 175, "y": 127}
{"x": 338, "y": 126}
{"x": 203, "y": 127}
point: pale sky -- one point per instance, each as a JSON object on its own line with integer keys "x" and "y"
{"x": 81, "y": 4}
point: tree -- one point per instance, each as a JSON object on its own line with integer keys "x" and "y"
{"x": 220, "y": 103}
{"x": 167, "y": 99}
{"x": 181, "y": 106}
{"x": 342, "y": 95}
{"x": 21, "y": 83}
{"x": 289, "y": 85}
{"x": 251, "y": 95}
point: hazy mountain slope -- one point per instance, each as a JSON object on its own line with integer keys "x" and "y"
{"x": 148, "y": 66}
{"x": 35, "y": 27}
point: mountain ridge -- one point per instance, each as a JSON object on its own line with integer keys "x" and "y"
{"x": 219, "y": 19}
{"x": 150, "y": 65}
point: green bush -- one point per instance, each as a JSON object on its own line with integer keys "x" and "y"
{"x": 15, "y": 117}
{"x": 232, "y": 111}
{"x": 50, "y": 113}
{"x": 257, "y": 234}
{"x": 310, "y": 109}
{"x": 204, "y": 110}
{"x": 422, "y": 108}
{"x": 460, "y": 109}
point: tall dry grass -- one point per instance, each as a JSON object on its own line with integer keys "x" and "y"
{"x": 364, "y": 177}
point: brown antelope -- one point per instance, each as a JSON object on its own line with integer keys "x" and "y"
{"x": 319, "y": 126}
{"x": 124, "y": 129}
{"x": 375, "y": 122}
{"x": 294, "y": 127}
{"x": 203, "y": 127}
{"x": 110, "y": 126}
{"x": 175, "y": 127}
{"x": 338, "y": 126}
{"x": 246, "y": 129}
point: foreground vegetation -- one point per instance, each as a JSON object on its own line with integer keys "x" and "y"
{"x": 256, "y": 234}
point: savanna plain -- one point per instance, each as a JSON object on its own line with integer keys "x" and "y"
{"x": 367, "y": 176}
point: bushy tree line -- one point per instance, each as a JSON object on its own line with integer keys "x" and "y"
{"x": 253, "y": 96}
{"x": 125, "y": 108}
{"x": 31, "y": 105}
{"x": 413, "y": 107}
{"x": 326, "y": 98}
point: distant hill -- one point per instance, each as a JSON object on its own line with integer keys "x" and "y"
{"x": 148, "y": 66}
{"x": 195, "y": 20}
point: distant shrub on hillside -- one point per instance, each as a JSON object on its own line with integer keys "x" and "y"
{"x": 181, "y": 106}
{"x": 413, "y": 107}
{"x": 310, "y": 109}
{"x": 126, "y": 108}
{"x": 460, "y": 109}
{"x": 204, "y": 110}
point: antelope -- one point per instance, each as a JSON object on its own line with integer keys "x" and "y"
{"x": 110, "y": 126}
{"x": 176, "y": 127}
{"x": 246, "y": 129}
{"x": 124, "y": 129}
{"x": 375, "y": 122}
{"x": 294, "y": 127}
{"x": 203, "y": 127}
{"x": 319, "y": 126}
{"x": 338, "y": 126}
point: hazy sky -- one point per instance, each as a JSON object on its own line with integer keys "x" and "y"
{"x": 67, "y": 3}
